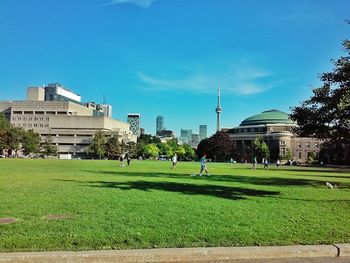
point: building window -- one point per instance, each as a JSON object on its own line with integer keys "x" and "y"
{"x": 299, "y": 155}
{"x": 316, "y": 145}
{"x": 282, "y": 151}
{"x": 299, "y": 144}
{"x": 35, "y": 125}
{"x": 282, "y": 143}
{"x": 308, "y": 145}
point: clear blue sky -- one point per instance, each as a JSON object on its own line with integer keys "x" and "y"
{"x": 165, "y": 57}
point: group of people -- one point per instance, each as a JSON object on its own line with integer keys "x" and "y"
{"x": 122, "y": 159}
{"x": 265, "y": 162}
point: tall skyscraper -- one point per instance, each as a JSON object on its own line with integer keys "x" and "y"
{"x": 134, "y": 121}
{"x": 203, "y": 132}
{"x": 159, "y": 124}
{"x": 218, "y": 111}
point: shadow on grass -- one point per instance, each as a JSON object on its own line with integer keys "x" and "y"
{"x": 246, "y": 179}
{"x": 232, "y": 193}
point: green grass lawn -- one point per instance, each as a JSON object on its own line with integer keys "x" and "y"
{"x": 148, "y": 205}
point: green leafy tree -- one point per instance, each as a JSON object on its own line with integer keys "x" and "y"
{"x": 311, "y": 158}
{"x": 189, "y": 152}
{"x": 4, "y": 128}
{"x": 14, "y": 139}
{"x": 288, "y": 154}
{"x": 113, "y": 148}
{"x": 98, "y": 145}
{"x": 326, "y": 114}
{"x": 260, "y": 148}
{"x": 132, "y": 149}
{"x": 151, "y": 150}
{"x": 48, "y": 147}
{"x": 180, "y": 151}
{"x": 30, "y": 142}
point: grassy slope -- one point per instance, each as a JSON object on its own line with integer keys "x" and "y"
{"x": 148, "y": 205}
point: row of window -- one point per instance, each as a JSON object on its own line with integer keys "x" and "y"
{"x": 32, "y": 125}
{"x": 307, "y": 144}
{"x": 30, "y": 118}
{"x": 43, "y": 112}
{"x": 243, "y": 130}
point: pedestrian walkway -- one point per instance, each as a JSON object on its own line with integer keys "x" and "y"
{"x": 317, "y": 253}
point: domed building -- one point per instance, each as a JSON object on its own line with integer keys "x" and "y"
{"x": 274, "y": 127}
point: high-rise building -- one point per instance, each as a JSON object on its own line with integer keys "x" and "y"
{"x": 159, "y": 124}
{"x": 186, "y": 133}
{"x": 203, "y": 132}
{"x": 218, "y": 111}
{"x": 195, "y": 140}
{"x": 134, "y": 121}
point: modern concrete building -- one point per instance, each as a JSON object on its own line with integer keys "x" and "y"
{"x": 203, "y": 132}
{"x": 274, "y": 127}
{"x": 159, "y": 124}
{"x": 134, "y": 122}
{"x": 71, "y": 124}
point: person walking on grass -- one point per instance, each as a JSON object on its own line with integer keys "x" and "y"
{"x": 203, "y": 162}
{"x": 174, "y": 161}
{"x": 254, "y": 163}
{"x": 266, "y": 163}
{"x": 128, "y": 159}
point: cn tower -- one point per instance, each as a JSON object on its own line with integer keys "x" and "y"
{"x": 218, "y": 110}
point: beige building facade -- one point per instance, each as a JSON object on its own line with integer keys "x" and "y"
{"x": 275, "y": 128}
{"x": 72, "y": 125}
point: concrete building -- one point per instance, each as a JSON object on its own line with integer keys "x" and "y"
{"x": 203, "y": 132}
{"x": 274, "y": 127}
{"x": 71, "y": 124}
{"x": 166, "y": 135}
{"x": 195, "y": 139}
{"x": 107, "y": 110}
{"x": 134, "y": 122}
{"x": 159, "y": 124}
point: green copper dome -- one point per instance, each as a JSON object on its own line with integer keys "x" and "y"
{"x": 268, "y": 117}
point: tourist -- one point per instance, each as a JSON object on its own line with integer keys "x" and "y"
{"x": 121, "y": 159}
{"x": 266, "y": 163}
{"x": 254, "y": 163}
{"x": 278, "y": 162}
{"x": 174, "y": 160}
{"x": 128, "y": 160}
{"x": 203, "y": 163}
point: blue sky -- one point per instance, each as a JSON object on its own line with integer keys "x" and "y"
{"x": 166, "y": 57}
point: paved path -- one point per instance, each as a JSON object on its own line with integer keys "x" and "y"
{"x": 285, "y": 254}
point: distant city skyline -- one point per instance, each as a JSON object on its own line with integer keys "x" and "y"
{"x": 168, "y": 58}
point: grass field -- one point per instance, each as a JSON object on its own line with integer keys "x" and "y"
{"x": 100, "y": 205}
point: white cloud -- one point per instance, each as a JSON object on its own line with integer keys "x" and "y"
{"x": 140, "y": 3}
{"x": 246, "y": 81}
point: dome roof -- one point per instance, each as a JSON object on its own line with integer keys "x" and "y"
{"x": 268, "y": 117}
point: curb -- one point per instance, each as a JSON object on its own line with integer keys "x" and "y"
{"x": 182, "y": 254}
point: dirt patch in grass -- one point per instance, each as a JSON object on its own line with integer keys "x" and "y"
{"x": 7, "y": 220}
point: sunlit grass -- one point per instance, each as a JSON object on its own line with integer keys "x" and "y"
{"x": 148, "y": 205}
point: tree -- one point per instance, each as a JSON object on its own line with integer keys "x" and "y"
{"x": 151, "y": 150}
{"x": 113, "y": 148}
{"x": 4, "y": 127}
{"x": 48, "y": 148}
{"x": 260, "y": 148}
{"x": 180, "y": 151}
{"x": 288, "y": 154}
{"x": 30, "y": 142}
{"x": 218, "y": 147}
{"x": 326, "y": 114}
{"x": 132, "y": 149}
{"x": 14, "y": 139}
{"x": 98, "y": 145}
{"x": 189, "y": 152}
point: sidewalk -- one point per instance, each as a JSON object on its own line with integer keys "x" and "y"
{"x": 317, "y": 253}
